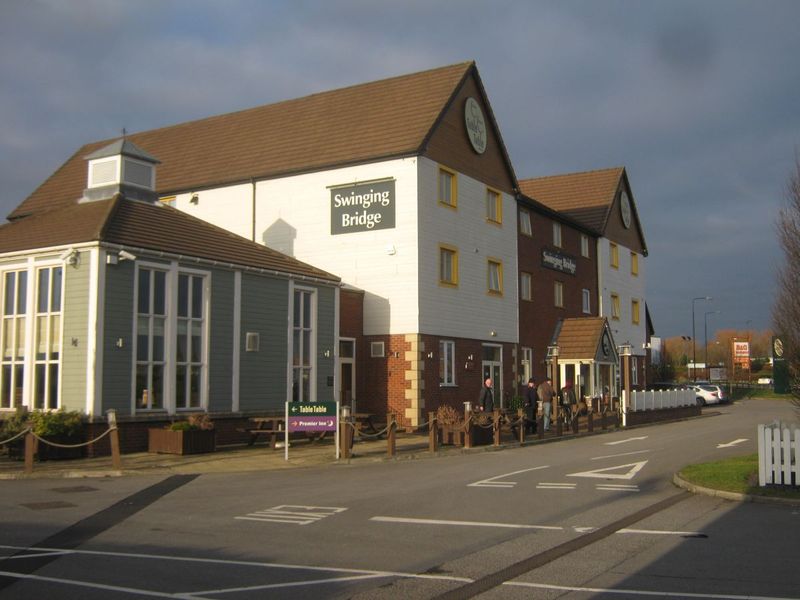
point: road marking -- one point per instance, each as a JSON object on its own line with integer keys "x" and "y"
{"x": 610, "y": 487}
{"x": 732, "y": 444}
{"x": 556, "y": 486}
{"x": 491, "y": 482}
{"x": 625, "y": 441}
{"x": 292, "y": 513}
{"x": 661, "y": 532}
{"x": 463, "y": 523}
{"x": 569, "y": 588}
{"x": 621, "y": 454}
{"x": 633, "y": 469}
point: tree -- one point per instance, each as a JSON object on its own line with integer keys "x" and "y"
{"x": 786, "y": 311}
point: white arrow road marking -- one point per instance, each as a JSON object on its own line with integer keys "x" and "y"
{"x": 621, "y": 454}
{"x": 491, "y": 482}
{"x": 633, "y": 439}
{"x": 731, "y": 444}
{"x": 633, "y": 469}
{"x": 463, "y": 523}
{"x": 292, "y": 513}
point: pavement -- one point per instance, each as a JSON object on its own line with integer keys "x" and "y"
{"x": 232, "y": 459}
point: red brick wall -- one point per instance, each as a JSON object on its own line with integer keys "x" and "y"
{"x": 538, "y": 317}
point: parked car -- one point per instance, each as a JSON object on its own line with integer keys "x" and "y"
{"x": 666, "y": 385}
{"x": 707, "y": 393}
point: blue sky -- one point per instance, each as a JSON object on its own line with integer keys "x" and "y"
{"x": 697, "y": 99}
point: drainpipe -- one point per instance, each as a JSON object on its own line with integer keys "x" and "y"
{"x": 253, "y": 219}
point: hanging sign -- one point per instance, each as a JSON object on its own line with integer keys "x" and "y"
{"x": 362, "y": 207}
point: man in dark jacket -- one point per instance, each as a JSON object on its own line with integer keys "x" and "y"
{"x": 486, "y": 399}
{"x": 531, "y": 400}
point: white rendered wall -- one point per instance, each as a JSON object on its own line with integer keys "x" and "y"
{"x": 293, "y": 216}
{"x": 228, "y": 207}
{"x": 467, "y": 310}
{"x": 621, "y": 282}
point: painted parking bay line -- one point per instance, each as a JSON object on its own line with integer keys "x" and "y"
{"x": 413, "y": 521}
{"x": 493, "y": 483}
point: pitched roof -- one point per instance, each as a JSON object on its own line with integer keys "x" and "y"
{"x": 370, "y": 121}
{"x": 586, "y": 197}
{"x": 147, "y": 226}
{"x": 580, "y": 337}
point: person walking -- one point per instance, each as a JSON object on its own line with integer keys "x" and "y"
{"x": 568, "y": 400}
{"x": 545, "y": 392}
{"x": 531, "y": 404}
{"x": 486, "y": 399}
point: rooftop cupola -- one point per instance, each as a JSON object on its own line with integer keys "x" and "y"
{"x": 121, "y": 167}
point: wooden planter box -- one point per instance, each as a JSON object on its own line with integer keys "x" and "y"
{"x": 195, "y": 441}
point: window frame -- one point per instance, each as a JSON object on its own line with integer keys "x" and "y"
{"x": 557, "y": 237}
{"x": 526, "y": 364}
{"x": 452, "y": 251}
{"x": 308, "y": 350}
{"x": 447, "y": 363}
{"x": 558, "y": 294}
{"x": 634, "y": 264}
{"x": 525, "y": 222}
{"x": 523, "y": 288}
{"x": 495, "y": 216}
{"x": 635, "y": 311}
{"x": 494, "y": 266}
{"x": 613, "y": 255}
{"x": 615, "y": 306}
{"x": 586, "y": 301}
{"x": 584, "y": 245}
{"x": 452, "y": 188}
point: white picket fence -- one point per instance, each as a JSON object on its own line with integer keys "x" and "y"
{"x": 660, "y": 399}
{"x": 778, "y": 455}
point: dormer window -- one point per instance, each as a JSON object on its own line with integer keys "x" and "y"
{"x": 121, "y": 167}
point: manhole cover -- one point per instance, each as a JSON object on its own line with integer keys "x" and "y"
{"x": 75, "y": 489}
{"x": 48, "y": 505}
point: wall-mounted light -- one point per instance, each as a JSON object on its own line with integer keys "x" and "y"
{"x": 493, "y": 333}
{"x": 71, "y": 256}
{"x": 552, "y": 351}
{"x": 119, "y": 343}
{"x": 194, "y": 199}
{"x": 470, "y": 357}
{"x": 327, "y": 354}
{"x": 430, "y": 354}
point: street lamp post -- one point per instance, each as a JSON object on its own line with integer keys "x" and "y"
{"x": 694, "y": 344}
{"x": 625, "y": 353}
{"x": 705, "y": 337}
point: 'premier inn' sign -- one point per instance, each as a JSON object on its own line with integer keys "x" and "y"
{"x": 362, "y": 207}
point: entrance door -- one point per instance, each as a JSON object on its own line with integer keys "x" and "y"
{"x": 347, "y": 373}
{"x": 492, "y": 368}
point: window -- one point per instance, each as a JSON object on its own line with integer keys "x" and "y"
{"x": 614, "y": 306}
{"x": 495, "y": 276}
{"x": 525, "y": 286}
{"x": 557, "y": 235}
{"x": 634, "y": 370}
{"x": 635, "y": 312}
{"x": 558, "y": 294}
{"x": 448, "y": 188}
{"x": 614, "y": 255}
{"x": 584, "y": 245}
{"x": 447, "y": 363}
{"x": 151, "y": 323}
{"x": 171, "y": 343}
{"x": 587, "y": 307}
{"x": 525, "y": 222}
{"x": 526, "y": 364}
{"x": 168, "y": 200}
{"x": 303, "y": 346}
{"x": 15, "y": 308}
{"x": 448, "y": 265}
{"x": 189, "y": 341}
{"x": 376, "y": 350}
{"x": 634, "y": 264}
{"x": 494, "y": 206}
{"x": 47, "y": 337}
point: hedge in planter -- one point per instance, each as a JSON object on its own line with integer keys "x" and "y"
{"x": 193, "y": 436}
{"x": 60, "y": 427}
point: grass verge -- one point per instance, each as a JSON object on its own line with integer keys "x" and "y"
{"x": 738, "y": 474}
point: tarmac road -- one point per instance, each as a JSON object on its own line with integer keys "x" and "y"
{"x": 594, "y": 516}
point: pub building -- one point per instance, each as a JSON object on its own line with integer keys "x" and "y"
{"x": 417, "y": 268}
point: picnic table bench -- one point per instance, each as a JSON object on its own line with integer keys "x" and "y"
{"x": 271, "y": 426}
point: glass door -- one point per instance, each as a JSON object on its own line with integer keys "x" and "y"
{"x": 492, "y": 368}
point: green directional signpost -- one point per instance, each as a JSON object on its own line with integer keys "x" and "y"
{"x": 311, "y": 417}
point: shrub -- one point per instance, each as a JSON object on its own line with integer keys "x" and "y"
{"x": 59, "y": 423}
{"x": 193, "y": 422}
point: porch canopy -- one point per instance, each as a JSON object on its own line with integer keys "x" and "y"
{"x": 588, "y": 357}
